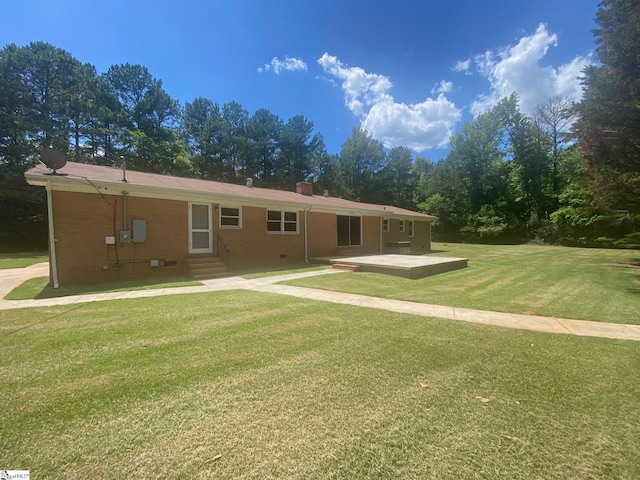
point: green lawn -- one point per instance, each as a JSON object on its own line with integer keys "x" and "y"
{"x": 586, "y": 284}
{"x": 39, "y": 288}
{"x": 19, "y": 260}
{"x": 247, "y": 385}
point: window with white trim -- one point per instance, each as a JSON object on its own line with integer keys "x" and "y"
{"x": 410, "y": 222}
{"x": 385, "y": 224}
{"x": 230, "y": 217}
{"x": 282, "y": 221}
{"x": 401, "y": 225}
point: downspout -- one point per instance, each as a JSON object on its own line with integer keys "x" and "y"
{"x": 381, "y": 234}
{"x": 124, "y": 210}
{"x": 306, "y": 245}
{"x": 52, "y": 238}
{"x": 430, "y": 235}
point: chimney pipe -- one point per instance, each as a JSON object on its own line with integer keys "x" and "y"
{"x": 250, "y": 182}
{"x": 304, "y": 188}
{"x": 124, "y": 168}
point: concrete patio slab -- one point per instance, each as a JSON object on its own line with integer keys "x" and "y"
{"x": 407, "y": 266}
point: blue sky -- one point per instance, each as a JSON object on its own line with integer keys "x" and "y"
{"x": 410, "y": 72}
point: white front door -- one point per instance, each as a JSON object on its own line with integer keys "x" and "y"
{"x": 200, "y": 231}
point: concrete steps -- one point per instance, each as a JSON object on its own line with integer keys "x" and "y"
{"x": 203, "y": 267}
{"x": 347, "y": 267}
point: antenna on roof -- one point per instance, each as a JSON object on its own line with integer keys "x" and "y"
{"x": 124, "y": 168}
{"x": 53, "y": 159}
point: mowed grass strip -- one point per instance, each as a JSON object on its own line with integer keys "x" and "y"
{"x": 40, "y": 288}
{"x": 246, "y": 385}
{"x": 20, "y": 260}
{"x": 579, "y": 283}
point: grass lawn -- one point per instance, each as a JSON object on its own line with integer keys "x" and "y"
{"x": 19, "y": 260}
{"x": 39, "y": 288}
{"x": 580, "y": 283}
{"x": 247, "y": 385}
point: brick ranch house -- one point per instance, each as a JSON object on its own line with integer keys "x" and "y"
{"x": 107, "y": 224}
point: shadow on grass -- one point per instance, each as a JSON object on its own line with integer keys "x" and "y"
{"x": 634, "y": 262}
{"x": 634, "y": 265}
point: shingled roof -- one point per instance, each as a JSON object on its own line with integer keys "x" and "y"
{"x": 82, "y": 177}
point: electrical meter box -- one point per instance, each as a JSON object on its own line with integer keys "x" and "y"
{"x": 139, "y": 230}
{"x": 125, "y": 236}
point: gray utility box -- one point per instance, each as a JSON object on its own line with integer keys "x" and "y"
{"x": 139, "y": 230}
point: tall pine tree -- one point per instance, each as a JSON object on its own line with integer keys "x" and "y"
{"x": 608, "y": 128}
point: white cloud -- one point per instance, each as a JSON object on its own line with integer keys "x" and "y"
{"x": 463, "y": 66}
{"x": 361, "y": 89}
{"x": 442, "y": 87}
{"x": 290, "y": 64}
{"x": 327, "y": 79}
{"x": 419, "y": 126}
{"x": 568, "y": 77}
{"x": 517, "y": 68}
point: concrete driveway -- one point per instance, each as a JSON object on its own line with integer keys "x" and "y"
{"x": 10, "y": 278}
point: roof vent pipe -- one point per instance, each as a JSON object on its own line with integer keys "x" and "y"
{"x": 250, "y": 182}
{"x": 326, "y": 194}
{"x": 124, "y": 168}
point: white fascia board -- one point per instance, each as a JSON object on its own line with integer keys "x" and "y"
{"x": 373, "y": 213}
{"x": 356, "y": 212}
{"x": 420, "y": 217}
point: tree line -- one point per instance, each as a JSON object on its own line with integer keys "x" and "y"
{"x": 567, "y": 173}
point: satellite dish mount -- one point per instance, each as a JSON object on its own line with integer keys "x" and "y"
{"x": 53, "y": 159}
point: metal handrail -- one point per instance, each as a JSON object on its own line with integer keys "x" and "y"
{"x": 224, "y": 253}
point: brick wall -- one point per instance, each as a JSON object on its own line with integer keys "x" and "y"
{"x": 371, "y": 234}
{"x": 322, "y": 232}
{"x": 421, "y": 240}
{"x": 81, "y": 222}
{"x": 252, "y": 246}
